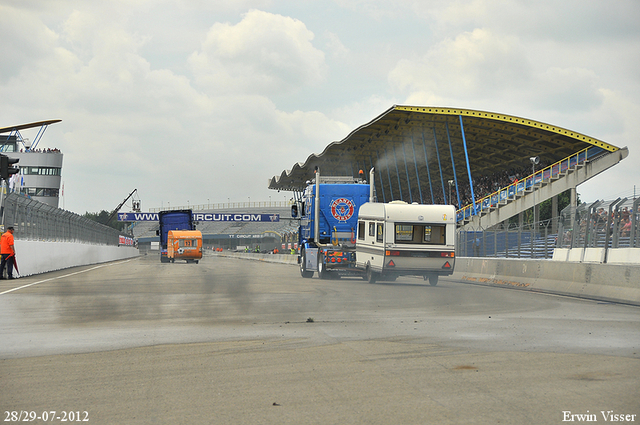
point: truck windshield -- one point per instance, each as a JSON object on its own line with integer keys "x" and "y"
{"x": 424, "y": 234}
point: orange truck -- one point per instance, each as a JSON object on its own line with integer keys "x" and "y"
{"x": 184, "y": 245}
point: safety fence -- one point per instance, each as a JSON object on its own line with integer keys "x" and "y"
{"x": 601, "y": 224}
{"x": 34, "y": 220}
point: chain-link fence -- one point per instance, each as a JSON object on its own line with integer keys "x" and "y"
{"x": 34, "y": 220}
{"x": 610, "y": 224}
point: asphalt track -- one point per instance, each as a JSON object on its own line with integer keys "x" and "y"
{"x": 229, "y": 341}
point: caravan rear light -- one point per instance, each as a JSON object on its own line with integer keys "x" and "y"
{"x": 395, "y": 253}
{"x": 447, "y": 254}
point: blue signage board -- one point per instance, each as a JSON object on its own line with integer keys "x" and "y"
{"x": 198, "y": 216}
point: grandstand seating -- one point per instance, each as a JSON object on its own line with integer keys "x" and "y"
{"x": 534, "y": 189}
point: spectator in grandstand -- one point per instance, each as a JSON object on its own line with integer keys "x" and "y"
{"x": 625, "y": 227}
{"x": 626, "y": 213}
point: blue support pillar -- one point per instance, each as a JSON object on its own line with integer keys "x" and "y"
{"x": 426, "y": 160}
{"x": 435, "y": 139}
{"x": 415, "y": 162}
{"x": 466, "y": 155}
{"x": 455, "y": 177}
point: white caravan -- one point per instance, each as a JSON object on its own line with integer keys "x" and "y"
{"x": 396, "y": 239}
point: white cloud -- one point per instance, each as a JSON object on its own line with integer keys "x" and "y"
{"x": 334, "y": 46}
{"x": 29, "y": 38}
{"x": 474, "y": 64}
{"x": 262, "y": 54}
{"x": 566, "y": 89}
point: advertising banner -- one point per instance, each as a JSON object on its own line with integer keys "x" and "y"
{"x": 198, "y": 216}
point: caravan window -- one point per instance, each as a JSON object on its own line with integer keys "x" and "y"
{"x": 372, "y": 229}
{"x": 425, "y": 234}
{"x": 380, "y": 232}
{"x": 404, "y": 232}
{"x": 361, "y": 230}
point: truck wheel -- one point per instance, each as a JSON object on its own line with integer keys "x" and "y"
{"x": 323, "y": 273}
{"x": 303, "y": 266}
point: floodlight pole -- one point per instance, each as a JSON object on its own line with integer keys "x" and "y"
{"x": 450, "y": 198}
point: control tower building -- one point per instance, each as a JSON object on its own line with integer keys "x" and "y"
{"x": 40, "y": 168}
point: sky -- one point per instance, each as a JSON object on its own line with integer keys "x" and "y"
{"x": 197, "y": 101}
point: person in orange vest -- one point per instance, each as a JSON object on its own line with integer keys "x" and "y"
{"x": 8, "y": 253}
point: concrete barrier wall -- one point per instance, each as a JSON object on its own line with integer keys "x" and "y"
{"x": 35, "y": 257}
{"x": 623, "y": 256}
{"x": 609, "y": 282}
{"x": 271, "y": 258}
{"x": 598, "y": 255}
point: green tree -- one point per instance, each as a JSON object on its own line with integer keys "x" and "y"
{"x": 102, "y": 218}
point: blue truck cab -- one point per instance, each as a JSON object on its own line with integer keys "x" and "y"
{"x": 328, "y": 225}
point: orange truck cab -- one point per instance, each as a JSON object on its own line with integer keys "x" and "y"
{"x": 184, "y": 245}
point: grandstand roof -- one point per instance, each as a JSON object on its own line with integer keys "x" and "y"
{"x": 26, "y": 126}
{"x": 407, "y": 134}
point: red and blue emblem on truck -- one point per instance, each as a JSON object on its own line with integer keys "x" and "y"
{"x": 342, "y": 209}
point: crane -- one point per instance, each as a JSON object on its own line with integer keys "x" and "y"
{"x": 136, "y": 206}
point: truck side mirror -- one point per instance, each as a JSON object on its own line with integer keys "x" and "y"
{"x": 294, "y": 211}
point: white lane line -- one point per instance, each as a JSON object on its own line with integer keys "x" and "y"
{"x": 67, "y": 275}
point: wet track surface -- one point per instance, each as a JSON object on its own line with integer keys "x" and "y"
{"x": 221, "y": 341}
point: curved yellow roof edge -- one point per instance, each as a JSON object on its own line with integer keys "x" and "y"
{"x": 509, "y": 119}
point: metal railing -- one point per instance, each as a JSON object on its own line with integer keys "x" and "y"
{"x": 527, "y": 184}
{"x": 34, "y": 220}
{"x": 226, "y": 206}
